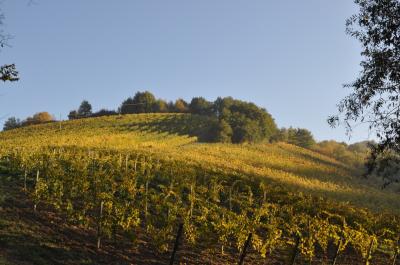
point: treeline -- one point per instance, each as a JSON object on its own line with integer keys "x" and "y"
{"x": 231, "y": 120}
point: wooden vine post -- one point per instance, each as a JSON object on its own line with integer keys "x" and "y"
{"x": 231, "y": 194}
{"x": 146, "y": 210}
{"x": 36, "y": 190}
{"x": 126, "y": 164}
{"x": 244, "y": 250}
{"x": 192, "y": 199}
{"x": 176, "y": 244}
{"x": 99, "y": 225}
{"x": 396, "y": 252}
{"x": 25, "y": 175}
{"x": 337, "y": 252}
{"x": 369, "y": 253}
{"x": 394, "y": 258}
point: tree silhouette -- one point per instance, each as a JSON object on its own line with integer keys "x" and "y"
{"x": 9, "y": 73}
{"x": 85, "y": 109}
{"x": 11, "y": 123}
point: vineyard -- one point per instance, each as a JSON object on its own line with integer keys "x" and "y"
{"x": 136, "y": 176}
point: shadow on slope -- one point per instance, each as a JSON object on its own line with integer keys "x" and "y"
{"x": 178, "y": 124}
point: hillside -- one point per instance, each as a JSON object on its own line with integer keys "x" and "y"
{"x": 158, "y": 162}
{"x": 176, "y": 135}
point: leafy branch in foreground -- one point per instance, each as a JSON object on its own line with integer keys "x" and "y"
{"x": 9, "y": 73}
{"x": 375, "y": 96}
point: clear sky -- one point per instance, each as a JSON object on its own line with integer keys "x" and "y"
{"x": 291, "y": 57}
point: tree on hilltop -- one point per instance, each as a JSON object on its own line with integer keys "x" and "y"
{"x": 222, "y": 132}
{"x": 85, "y": 109}
{"x": 37, "y": 118}
{"x": 142, "y": 102}
{"x": 181, "y": 106}
{"x": 73, "y": 115}
{"x": 249, "y": 122}
{"x": 11, "y": 123}
{"x": 200, "y": 106}
{"x": 300, "y": 137}
{"x": 296, "y": 136}
{"x": 160, "y": 106}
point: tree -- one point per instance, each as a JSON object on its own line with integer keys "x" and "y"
{"x": 361, "y": 147}
{"x": 280, "y": 136}
{"x": 200, "y": 106}
{"x": 142, "y": 102}
{"x": 37, "y": 118}
{"x": 243, "y": 121}
{"x": 11, "y": 123}
{"x": 160, "y": 106}
{"x": 249, "y": 123}
{"x": 85, "y": 109}
{"x": 181, "y": 106}
{"x": 73, "y": 115}
{"x": 222, "y": 132}
{"x": 375, "y": 96}
{"x": 222, "y": 106}
{"x": 246, "y": 130}
{"x": 300, "y": 137}
{"x": 354, "y": 154}
{"x": 385, "y": 164}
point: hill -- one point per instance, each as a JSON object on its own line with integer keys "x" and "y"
{"x": 156, "y": 162}
{"x": 176, "y": 136}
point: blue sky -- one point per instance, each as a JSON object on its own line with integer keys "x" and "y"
{"x": 291, "y": 57}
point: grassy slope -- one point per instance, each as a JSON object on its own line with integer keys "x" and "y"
{"x": 175, "y": 136}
